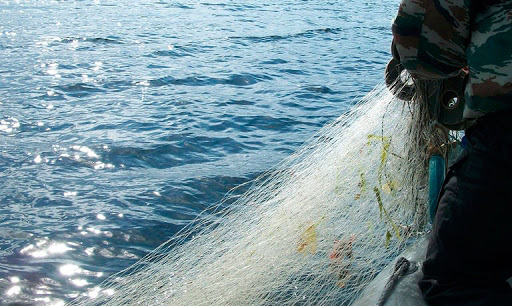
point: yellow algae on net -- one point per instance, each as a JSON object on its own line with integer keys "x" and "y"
{"x": 361, "y": 184}
{"x": 338, "y": 186}
{"x": 308, "y": 240}
{"x": 386, "y": 188}
{"x": 383, "y": 212}
{"x": 386, "y": 144}
{"x": 390, "y": 187}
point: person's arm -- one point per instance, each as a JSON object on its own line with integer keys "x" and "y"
{"x": 431, "y": 37}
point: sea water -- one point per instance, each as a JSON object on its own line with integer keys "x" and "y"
{"x": 120, "y": 121}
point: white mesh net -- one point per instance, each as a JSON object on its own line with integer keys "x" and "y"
{"x": 314, "y": 230}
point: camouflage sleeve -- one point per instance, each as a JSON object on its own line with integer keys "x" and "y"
{"x": 431, "y": 36}
{"x": 490, "y": 58}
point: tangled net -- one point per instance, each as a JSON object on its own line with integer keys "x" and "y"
{"x": 315, "y": 230}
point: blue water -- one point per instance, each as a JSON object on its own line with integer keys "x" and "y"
{"x": 122, "y": 120}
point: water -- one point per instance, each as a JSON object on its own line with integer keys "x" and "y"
{"x": 122, "y": 120}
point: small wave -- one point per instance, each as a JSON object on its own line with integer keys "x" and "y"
{"x": 320, "y": 89}
{"x": 249, "y": 123}
{"x": 117, "y": 86}
{"x": 310, "y": 97}
{"x": 172, "y": 53}
{"x": 54, "y": 96}
{"x": 214, "y": 4}
{"x": 243, "y": 7}
{"x": 78, "y": 90}
{"x": 236, "y": 79}
{"x": 181, "y": 51}
{"x": 95, "y": 40}
{"x": 293, "y": 71}
{"x": 236, "y": 102}
{"x": 175, "y": 150}
{"x": 14, "y": 234}
{"x": 46, "y": 201}
{"x": 274, "y": 62}
{"x": 104, "y": 40}
{"x": 273, "y": 38}
{"x": 183, "y": 6}
{"x": 154, "y": 66}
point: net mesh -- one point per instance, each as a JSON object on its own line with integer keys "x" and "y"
{"x": 315, "y": 230}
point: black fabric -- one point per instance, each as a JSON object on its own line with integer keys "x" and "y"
{"x": 469, "y": 256}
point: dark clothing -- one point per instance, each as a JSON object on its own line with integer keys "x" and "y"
{"x": 469, "y": 256}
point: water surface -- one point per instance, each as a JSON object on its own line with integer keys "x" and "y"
{"x": 121, "y": 120}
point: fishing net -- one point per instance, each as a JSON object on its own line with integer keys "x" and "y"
{"x": 315, "y": 230}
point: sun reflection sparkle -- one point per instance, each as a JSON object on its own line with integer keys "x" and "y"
{"x": 9, "y": 124}
{"x": 38, "y": 159}
{"x": 79, "y": 282}
{"x": 38, "y": 251}
{"x": 14, "y": 290}
{"x": 94, "y": 292}
{"x": 58, "y": 248}
{"x": 70, "y": 193}
{"x": 94, "y": 230}
{"x": 43, "y": 299}
{"x": 52, "y": 69}
{"x": 90, "y": 251}
{"x": 70, "y": 269}
{"x": 97, "y": 66}
{"x": 86, "y": 150}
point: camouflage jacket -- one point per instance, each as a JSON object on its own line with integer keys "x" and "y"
{"x": 437, "y": 38}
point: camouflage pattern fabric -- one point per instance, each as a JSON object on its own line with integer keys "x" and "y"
{"x": 437, "y": 38}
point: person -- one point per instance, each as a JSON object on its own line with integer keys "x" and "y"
{"x": 469, "y": 254}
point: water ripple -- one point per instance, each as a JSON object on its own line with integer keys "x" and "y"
{"x": 55, "y": 41}
{"x": 183, "y": 150}
{"x": 79, "y": 90}
{"x": 236, "y": 80}
{"x": 274, "y": 38}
